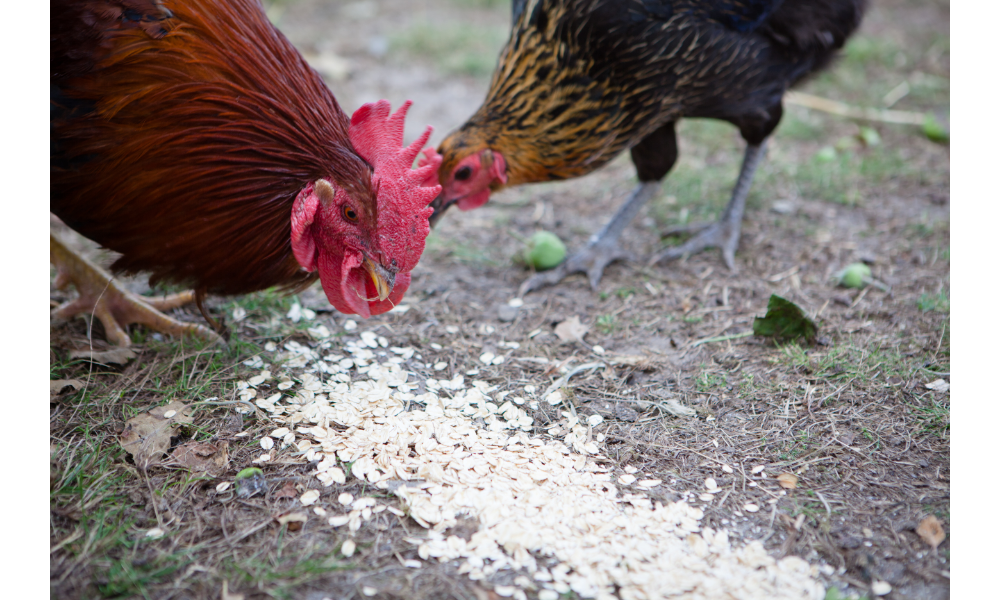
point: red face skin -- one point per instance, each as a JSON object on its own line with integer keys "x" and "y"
{"x": 469, "y": 184}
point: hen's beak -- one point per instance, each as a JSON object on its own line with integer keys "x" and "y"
{"x": 439, "y": 206}
{"x": 383, "y": 278}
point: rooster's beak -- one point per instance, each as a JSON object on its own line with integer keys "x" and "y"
{"x": 383, "y": 278}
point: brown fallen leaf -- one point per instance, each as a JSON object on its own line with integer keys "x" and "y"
{"x": 930, "y": 531}
{"x": 287, "y": 491}
{"x": 147, "y": 436}
{"x": 227, "y": 595}
{"x": 56, "y": 386}
{"x": 293, "y": 519}
{"x": 209, "y": 457}
{"x": 571, "y": 330}
{"x": 118, "y": 356}
{"x": 788, "y": 481}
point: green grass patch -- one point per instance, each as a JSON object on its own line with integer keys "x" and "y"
{"x": 454, "y": 48}
{"x": 938, "y": 302}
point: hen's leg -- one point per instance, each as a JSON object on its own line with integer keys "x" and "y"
{"x": 115, "y": 306}
{"x": 724, "y": 233}
{"x": 654, "y": 156}
{"x": 602, "y": 248}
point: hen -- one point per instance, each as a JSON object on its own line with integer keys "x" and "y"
{"x": 192, "y": 138}
{"x": 579, "y": 81}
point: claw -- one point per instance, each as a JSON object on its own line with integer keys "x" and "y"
{"x": 113, "y": 305}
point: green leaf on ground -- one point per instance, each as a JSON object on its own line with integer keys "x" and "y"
{"x": 784, "y": 320}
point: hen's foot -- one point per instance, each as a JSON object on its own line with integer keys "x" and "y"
{"x": 721, "y": 234}
{"x": 115, "y": 306}
{"x": 724, "y": 233}
{"x": 590, "y": 260}
{"x": 602, "y": 249}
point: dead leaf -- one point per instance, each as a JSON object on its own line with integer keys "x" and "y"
{"x": 571, "y": 330}
{"x": 788, "y": 481}
{"x": 930, "y": 531}
{"x": 643, "y": 363}
{"x": 938, "y": 385}
{"x": 294, "y": 520}
{"x": 56, "y": 386}
{"x": 118, "y": 356}
{"x": 226, "y": 595}
{"x": 210, "y": 457}
{"x": 287, "y": 491}
{"x": 147, "y": 436}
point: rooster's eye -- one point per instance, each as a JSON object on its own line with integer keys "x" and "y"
{"x": 349, "y": 214}
{"x": 463, "y": 173}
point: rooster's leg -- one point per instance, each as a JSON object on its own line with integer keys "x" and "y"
{"x": 115, "y": 306}
{"x": 724, "y": 233}
{"x": 602, "y": 249}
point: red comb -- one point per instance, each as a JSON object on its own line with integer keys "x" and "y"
{"x": 378, "y": 137}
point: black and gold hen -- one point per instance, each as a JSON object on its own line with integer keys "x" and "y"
{"x": 579, "y": 81}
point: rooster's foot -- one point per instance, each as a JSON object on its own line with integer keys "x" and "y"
{"x": 112, "y": 304}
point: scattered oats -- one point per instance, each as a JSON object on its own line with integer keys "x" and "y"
{"x": 256, "y": 380}
{"x": 595, "y": 420}
{"x": 295, "y": 313}
{"x": 938, "y": 385}
{"x": 597, "y": 349}
{"x": 155, "y": 533}
{"x": 441, "y": 366}
{"x": 338, "y": 520}
{"x": 263, "y": 458}
{"x": 350, "y": 325}
{"x": 867, "y": 532}
{"x": 487, "y": 358}
{"x": 348, "y": 548}
{"x": 284, "y": 385}
{"x": 400, "y": 309}
{"x": 412, "y": 564}
{"x": 368, "y": 590}
{"x": 515, "y": 302}
{"x": 225, "y": 485}
{"x": 242, "y": 434}
{"x": 649, "y": 483}
{"x": 309, "y": 497}
{"x": 383, "y": 341}
{"x": 788, "y": 481}
{"x": 239, "y": 313}
{"x": 711, "y": 485}
{"x": 881, "y": 588}
{"x": 630, "y": 469}
{"x": 498, "y": 360}
{"x": 270, "y": 347}
{"x": 254, "y": 362}
{"x": 504, "y": 591}
{"x": 752, "y": 484}
{"x": 554, "y": 398}
{"x": 451, "y": 329}
{"x": 320, "y": 511}
{"x": 727, "y": 469}
{"x": 337, "y": 475}
{"x": 319, "y": 332}
{"x": 626, "y": 479}
{"x": 169, "y": 414}
{"x": 706, "y": 497}
{"x": 750, "y": 507}
{"x": 280, "y": 432}
{"x": 345, "y": 499}
{"x": 757, "y": 469}
{"x": 548, "y": 595}
{"x": 534, "y": 333}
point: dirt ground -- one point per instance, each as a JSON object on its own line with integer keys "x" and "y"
{"x": 851, "y": 416}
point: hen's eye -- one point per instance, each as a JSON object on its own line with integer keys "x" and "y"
{"x": 463, "y": 173}
{"x": 349, "y": 214}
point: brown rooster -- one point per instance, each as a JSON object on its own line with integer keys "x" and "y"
{"x": 191, "y": 137}
{"x": 579, "y": 81}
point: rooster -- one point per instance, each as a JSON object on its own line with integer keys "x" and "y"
{"x": 579, "y": 81}
{"x": 193, "y": 139}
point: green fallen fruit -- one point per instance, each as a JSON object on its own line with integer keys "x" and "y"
{"x": 545, "y": 250}
{"x": 856, "y": 275}
{"x": 250, "y": 482}
{"x": 935, "y": 132}
{"x": 826, "y": 154}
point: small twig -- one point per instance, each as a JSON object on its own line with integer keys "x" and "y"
{"x": 854, "y": 112}
{"x": 722, "y": 338}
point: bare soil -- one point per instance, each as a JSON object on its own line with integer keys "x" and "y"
{"x": 851, "y": 416}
